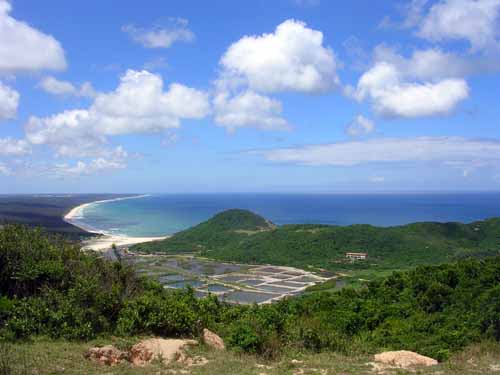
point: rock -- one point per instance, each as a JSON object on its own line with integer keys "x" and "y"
{"x": 213, "y": 340}
{"x": 106, "y": 355}
{"x": 194, "y": 361}
{"x": 404, "y": 359}
{"x": 148, "y": 350}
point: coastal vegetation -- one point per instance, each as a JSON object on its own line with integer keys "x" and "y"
{"x": 325, "y": 246}
{"x": 49, "y": 288}
{"x": 46, "y": 211}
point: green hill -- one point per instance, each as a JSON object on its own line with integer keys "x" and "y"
{"x": 241, "y": 236}
{"x": 220, "y": 230}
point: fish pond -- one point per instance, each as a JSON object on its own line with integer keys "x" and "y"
{"x": 233, "y": 283}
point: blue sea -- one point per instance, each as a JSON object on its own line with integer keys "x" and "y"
{"x": 158, "y": 215}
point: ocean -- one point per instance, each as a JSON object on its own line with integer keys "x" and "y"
{"x": 159, "y": 215}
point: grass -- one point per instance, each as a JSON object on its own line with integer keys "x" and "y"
{"x": 43, "y": 357}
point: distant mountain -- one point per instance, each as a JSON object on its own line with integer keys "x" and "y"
{"x": 242, "y": 236}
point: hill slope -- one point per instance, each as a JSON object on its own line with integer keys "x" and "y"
{"x": 216, "y": 232}
{"x": 229, "y": 236}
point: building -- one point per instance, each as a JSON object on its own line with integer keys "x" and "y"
{"x": 356, "y": 256}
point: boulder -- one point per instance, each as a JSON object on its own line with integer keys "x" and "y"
{"x": 166, "y": 350}
{"x": 404, "y": 359}
{"x": 213, "y": 340}
{"x": 106, "y": 355}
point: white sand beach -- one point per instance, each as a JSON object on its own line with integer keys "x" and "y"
{"x": 105, "y": 241}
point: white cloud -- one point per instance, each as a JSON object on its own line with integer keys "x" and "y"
{"x": 456, "y": 152}
{"x": 14, "y": 147}
{"x": 58, "y": 87}
{"x": 9, "y": 101}
{"x": 428, "y": 64}
{"x": 70, "y": 133}
{"x": 307, "y": 3}
{"x": 138, "y": 105}
{"x": 395, "y": 92}
{"x": 412, "y": 12}
{"x": 170, "y": 139}
{"x": 377, "y": 179}
{"x": 476, "y": 21}
{"x": 114, "y": 161}
{"x": 24, "y": 48}
{"x": 248, "y": 109}
{"x": 360, "y": 126}
{"x": 155, "y": 64}
{"x": 292, "y": 58}
{"x": 161, "y": 36}
{"x": 4, "y": 170}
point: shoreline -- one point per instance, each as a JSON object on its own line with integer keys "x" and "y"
{"x": 105, "y": 241}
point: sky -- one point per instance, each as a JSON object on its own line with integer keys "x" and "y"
{"x": 309, "y": 96}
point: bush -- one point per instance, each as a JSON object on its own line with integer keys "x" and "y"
{"x": 164, "y": 314}
{"x": 49, "y": 287}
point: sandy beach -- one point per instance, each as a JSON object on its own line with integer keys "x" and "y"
{"x": 105, "y": 241}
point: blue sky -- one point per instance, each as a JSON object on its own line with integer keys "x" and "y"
{"x": 249, "y": 96}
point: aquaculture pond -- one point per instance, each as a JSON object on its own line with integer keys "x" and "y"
{"x": 233, "y": 283}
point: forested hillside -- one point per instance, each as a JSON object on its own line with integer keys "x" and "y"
{"x": 324, "y": 246}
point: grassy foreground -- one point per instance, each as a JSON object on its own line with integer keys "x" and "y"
{"x": 44, "y": 356}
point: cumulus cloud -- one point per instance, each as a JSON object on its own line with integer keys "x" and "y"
{"x": 293, "y": 58}
{"x": 70, "y": 133}
{"x": 427, "y": 64}
{"x": 14, "y": 147}
{"x": 161, "y": 36}
{"x": 360, "y": 126}
{"x": 428, "y": 83}
{"x": 456, "y": 152}
{"x": 476, "y": 21}
{"x": 138, "y": 105}
{"x": 55, "y": 86}
{"x": 115, "y": 160}
{"x": 9, "y": 101}
{"x": 24, "y": 48}
{"x": 248, "y": 109}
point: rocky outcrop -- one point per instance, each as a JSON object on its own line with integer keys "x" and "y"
{"x": 404, "y": 359}
{"x": 146, "y": 351}
{"x": 213, "y": 340}
{"x": 106, "y": 355}
{"x": 166, "y": 350}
